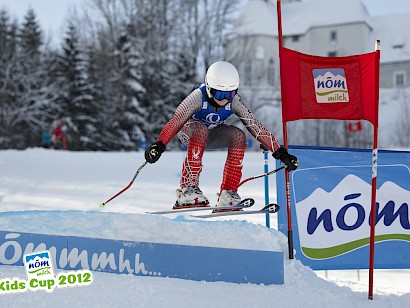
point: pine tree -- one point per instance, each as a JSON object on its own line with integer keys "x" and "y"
{"x": 26, "y": 98}
{"x": 30, "y": 35}
{"x": 109, "y": 135}
{"x": 131, "y": 118}
{"x": 36, "y": 95}
{"x": 11, "y": 118}
{"x": 78, "y": 107}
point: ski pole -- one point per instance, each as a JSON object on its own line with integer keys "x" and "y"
{"x": 266, "y": 179}
{"x": 129, "y": 185}
{"x": 261, "y": 175}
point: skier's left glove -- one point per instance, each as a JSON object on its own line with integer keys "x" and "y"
{"x": 290, "y": 161}
{"x": 154, "y": 151}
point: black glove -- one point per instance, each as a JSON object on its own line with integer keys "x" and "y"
{"x": 154, "y": 151}
{"x": 290, "y": 161}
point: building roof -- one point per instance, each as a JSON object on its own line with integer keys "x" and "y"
{"x": 393, "y": 33}
{"x": 260, "y": 18}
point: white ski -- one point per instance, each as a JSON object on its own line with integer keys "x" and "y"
{"x": 245, "y": 203}
{"x": 270, "y": 208}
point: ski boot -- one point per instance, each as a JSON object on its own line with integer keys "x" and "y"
{"x": 227, "y": 198}
{"x": 190, "y": 196}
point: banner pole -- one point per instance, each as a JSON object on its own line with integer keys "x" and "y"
{"x": 373, "y": 213}
{"x": 288, "y": 205}
{"x": 285, "y": 137}
{"x": 279, "y": 12}
{"x": 374, "y": 176}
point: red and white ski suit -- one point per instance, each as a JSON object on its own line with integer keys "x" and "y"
{"x": 198, "y": 136}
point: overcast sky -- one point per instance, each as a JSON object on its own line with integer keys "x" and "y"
{"x": 52, "y": 13}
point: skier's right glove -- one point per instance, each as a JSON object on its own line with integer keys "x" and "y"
{"x": 290, "y": 161}
{"x": 154, "y": 151}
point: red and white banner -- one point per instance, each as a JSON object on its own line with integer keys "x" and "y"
{"x": 341, "y": 88}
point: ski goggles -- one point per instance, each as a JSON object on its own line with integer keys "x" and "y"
{"x": 220, "y": 95}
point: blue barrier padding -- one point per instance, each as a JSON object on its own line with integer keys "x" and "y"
{"x": 330, "y": 207}
{"x": 146, "y": 259}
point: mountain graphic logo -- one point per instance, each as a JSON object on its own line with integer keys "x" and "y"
{"x": 38, "y": 264}
{"x": 330, "y": 85}
{"x": 334, "y": 223}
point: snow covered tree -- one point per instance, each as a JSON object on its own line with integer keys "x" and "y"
{"x": 24, "y": 110}
{"x": 30, "y": 35}
{"x": 8, "y": 36}
{"x": 130, "y": 117}
{"x": 163, "y": 75}
{"x": 8, "y": 40}
{"x": 36, "y": 95}
{"x": 78, "y": 107}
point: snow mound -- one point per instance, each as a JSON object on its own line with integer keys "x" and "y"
{"x": 146, "y": 228}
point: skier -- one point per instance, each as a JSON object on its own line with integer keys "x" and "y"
{"x": 59, "y": 138}
{"x": 199, "y": 123}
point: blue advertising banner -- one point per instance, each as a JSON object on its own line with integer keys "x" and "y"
{"x": 330, "y": 204}
{"x": 146, "y": 259}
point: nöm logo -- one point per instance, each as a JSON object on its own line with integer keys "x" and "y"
{"x": 330, "y": 85}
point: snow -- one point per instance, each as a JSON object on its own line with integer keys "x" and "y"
{"x": 58, "y": 192}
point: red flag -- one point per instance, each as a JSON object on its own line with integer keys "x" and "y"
{"x": 342, "y": 88}
{"x": 355, "y": 126}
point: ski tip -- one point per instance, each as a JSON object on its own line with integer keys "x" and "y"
{"x": 102, "y": 204}
{"x": 248, "y": 202}
{"x": 272, "y": 208}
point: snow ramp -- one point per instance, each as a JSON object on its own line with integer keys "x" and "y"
{"x": 146, "y": 245}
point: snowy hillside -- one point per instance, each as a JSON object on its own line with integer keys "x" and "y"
{"x": 55, "y": 192}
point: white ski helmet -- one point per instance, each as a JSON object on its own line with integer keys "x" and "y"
{"x": 221, "y": 76}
